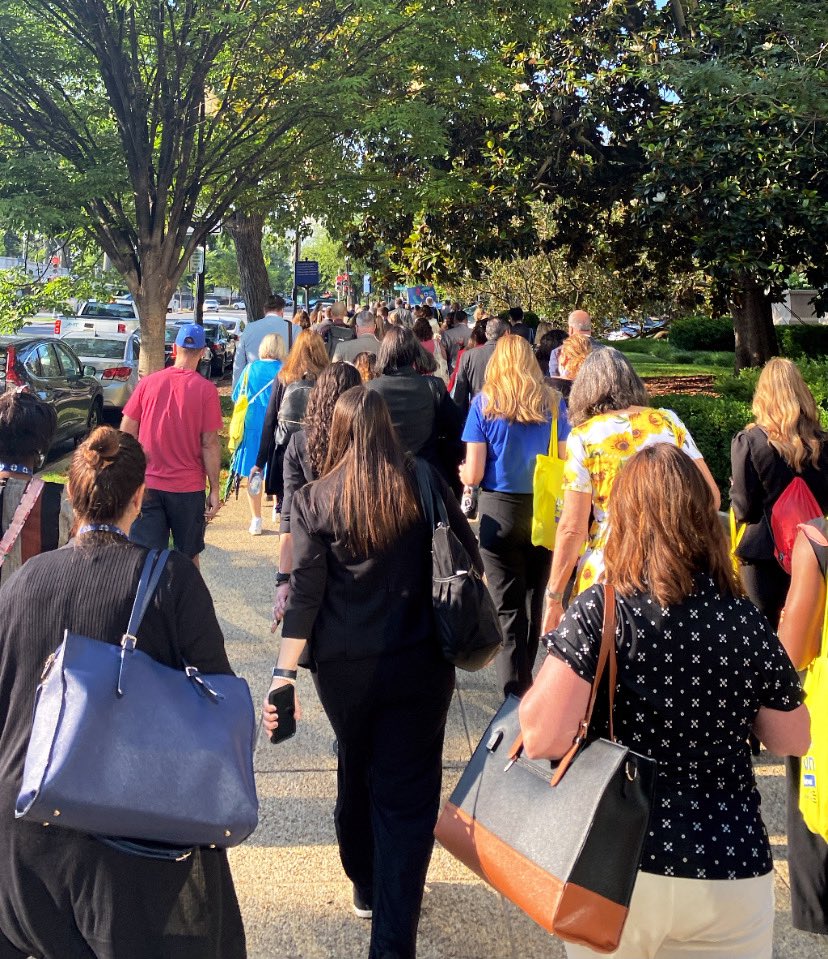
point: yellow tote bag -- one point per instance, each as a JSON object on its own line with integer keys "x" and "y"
{"x": 235, "y": 431}
{"x": 813, "y": 775}
{"x": 546, "y": 489}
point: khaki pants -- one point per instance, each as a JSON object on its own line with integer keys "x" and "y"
{"x": 720, "y": 919}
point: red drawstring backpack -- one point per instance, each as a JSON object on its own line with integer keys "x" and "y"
{"x": 796, "y": 505}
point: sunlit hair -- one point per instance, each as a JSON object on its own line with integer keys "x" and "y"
{"x": 365, "y": 364}
{"x": 106, "y": 470}
{"x": 785, "y": 408}
{"x": 574, "y": 350}
{"x": 307, "y": 357}
{"x": 333, "y": 381}
{"x": 513, "y": 388}
{"x": 272, "y": 347}
{"x": 375, "y": 502}
{"x": 664, "y": 529}
{"x": 607, "y": 382}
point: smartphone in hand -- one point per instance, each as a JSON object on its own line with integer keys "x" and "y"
{"x": 284, "y": 699}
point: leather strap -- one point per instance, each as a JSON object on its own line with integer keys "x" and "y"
{"x": 21, "y": 514}
{"x": 150, "y": 575}
{"x": 429, "y": 496}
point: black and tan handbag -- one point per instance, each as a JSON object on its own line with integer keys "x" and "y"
{"x": 563, "y": 842}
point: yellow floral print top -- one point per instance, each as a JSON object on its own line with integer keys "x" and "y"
{"x": 596, "y": 451}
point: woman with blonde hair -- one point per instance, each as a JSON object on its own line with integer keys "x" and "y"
{"x": 256, "y": 384}
{"x": 784, "y": 440}
{"x": 574, "y": 351}
{"x": 509, "y": 424}
{"x": 286, "y": 408}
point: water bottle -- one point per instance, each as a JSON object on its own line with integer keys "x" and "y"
{"x": 468, "y": 503}
{"x": 254, "y": 484}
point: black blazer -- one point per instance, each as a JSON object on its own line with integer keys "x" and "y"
{"x": 760, "y": 476}
{"x": 351, "y": 608}
{"x": 471, "y": 373}
{"x": 296, "y": 473}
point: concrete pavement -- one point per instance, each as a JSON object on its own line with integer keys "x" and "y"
{"x": 295, "y": 899}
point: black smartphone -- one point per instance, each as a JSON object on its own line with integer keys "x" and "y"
{"x": 284, "y": 699}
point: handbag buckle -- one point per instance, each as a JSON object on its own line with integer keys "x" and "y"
{"x": 129, "y": 642}
{"x": 47, "y": 666}
{"x": 583, "y": 730}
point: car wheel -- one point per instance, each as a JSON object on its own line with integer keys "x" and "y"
{"x": 93, "y": 421}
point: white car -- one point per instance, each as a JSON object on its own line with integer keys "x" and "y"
{"x": 239, "y": 305}
{"x": 211, "y": 304}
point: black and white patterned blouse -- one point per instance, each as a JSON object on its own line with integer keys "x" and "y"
{"x": 691, "y": 679}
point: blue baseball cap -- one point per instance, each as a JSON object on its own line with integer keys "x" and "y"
{"x": 191, "y": 337}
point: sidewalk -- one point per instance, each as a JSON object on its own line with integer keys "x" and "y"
{"x": 295, "y": 899}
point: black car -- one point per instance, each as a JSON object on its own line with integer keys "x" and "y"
{"x": 51, "y": 369}
{"x": 220, "y": 343}
{"x": 205, "y": 364}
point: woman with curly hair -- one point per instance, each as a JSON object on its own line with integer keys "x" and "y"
{"x": 509, "y": 424}
{"x": 304, "y": 458}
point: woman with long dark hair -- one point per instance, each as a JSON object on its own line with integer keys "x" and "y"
{"x": 360, "y": 600}
{"x": 304, "y": 459}
{"x": 699, "y": 668}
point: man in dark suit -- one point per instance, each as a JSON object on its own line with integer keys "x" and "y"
{"x": 473, "y": 363}
{"x": 519, "y": 327}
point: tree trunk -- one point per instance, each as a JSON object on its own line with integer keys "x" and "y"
{"x": 152, "y": 296}
{"x": 756, "y": 339}
{"x": 246, "y": 230}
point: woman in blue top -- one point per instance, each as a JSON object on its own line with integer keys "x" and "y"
{"x": 256, "y": 383}
{"x": 509, "y": 424}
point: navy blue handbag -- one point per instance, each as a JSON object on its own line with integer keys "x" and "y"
{"x": 123, "y": 746}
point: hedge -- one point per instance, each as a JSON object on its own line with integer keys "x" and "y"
{"x": 703, "y": 333}
{"x": 713, "y": 421}
{"x": 802, "y": 340}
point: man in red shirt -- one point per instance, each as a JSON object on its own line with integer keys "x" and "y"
{"x": 176, "y": 416}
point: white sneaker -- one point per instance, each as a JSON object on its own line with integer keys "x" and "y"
{"x": 274, "y": 516}
{"x": 255, "y": 527}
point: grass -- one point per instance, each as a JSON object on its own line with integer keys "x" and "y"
{"x": 659, "y": 358}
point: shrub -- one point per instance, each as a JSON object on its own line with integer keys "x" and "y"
{"x": 802, "y": 340}
{"x": 713, "y": 421}
{"x": 742, "y": 386}
{"x": 703, "y": 333}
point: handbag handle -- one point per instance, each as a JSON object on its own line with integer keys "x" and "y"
{"x": 429, "y": 496}
{"x": 150, "y": 575}
{"x": 553, "y": 438}
{"x": 606, "y": 659}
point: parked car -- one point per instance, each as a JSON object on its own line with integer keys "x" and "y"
{"x": 235, "y": 327}
{"x": 221, "y": 346}
{"x": 114, "y": 356}
{"x": 239, "y": 305}
{"x": 211, "y": 304}
{"x": 170, "y": 333}
{"x": 51, "y": 369}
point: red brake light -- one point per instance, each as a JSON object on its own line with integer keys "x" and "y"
{"x": 57, "y": 327}
{"x": 214, "y": 347}
{"x": 122, "y": 327}
{"x": 12, "y": 378}
{"x": 121, "y": 373}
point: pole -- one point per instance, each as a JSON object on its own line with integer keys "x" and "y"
{"x": 198, "y": 306}
{"x": 297, "y": 253}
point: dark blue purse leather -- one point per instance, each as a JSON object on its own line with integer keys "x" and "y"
{"x": 123, "y": 746}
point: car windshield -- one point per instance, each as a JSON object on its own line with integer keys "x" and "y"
{"x": 170, "y": 335}
{"x": 94, "y": 346}
{"x": 120, "y": 310}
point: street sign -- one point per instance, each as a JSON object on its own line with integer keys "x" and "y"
{"x": 197, "y": 260}
{"x": 307, "y": 273}
{"x": 366, "y": 284}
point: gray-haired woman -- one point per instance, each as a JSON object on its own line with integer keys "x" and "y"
{"x": 611, "y": 419}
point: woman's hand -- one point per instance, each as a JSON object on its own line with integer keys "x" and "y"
{"x": 270, "y": 714}
{"x": 279, "y": 605}
{"x": 255, "y": 471}
{"x": 552, "y": 616}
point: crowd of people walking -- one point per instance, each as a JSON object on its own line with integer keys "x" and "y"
{"x": 334, "y": 415}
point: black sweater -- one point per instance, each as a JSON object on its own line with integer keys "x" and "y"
{"x": 58, "y": 887}
{"x": 350, "y": 608}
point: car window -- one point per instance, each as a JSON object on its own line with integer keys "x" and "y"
{"x": 95, "y": 346}
{"x": 102, "y": 310}
{"x": 49, "y": 365}
{"x": 32, "y": 363}
{"x": 70, "y": 363}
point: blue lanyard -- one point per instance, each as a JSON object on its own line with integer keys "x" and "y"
{"x": 101, "y": 528}
{"x": 16, "y": 468}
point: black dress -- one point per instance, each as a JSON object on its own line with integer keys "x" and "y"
{"x": 760, "y": 476}
{"x": 807, "y": 852}
{"x": 64, "y": 895}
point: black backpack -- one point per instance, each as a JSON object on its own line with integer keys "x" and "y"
{"x": 336, "y": 335}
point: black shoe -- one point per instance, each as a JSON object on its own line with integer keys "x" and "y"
{"x": 362, "y": 905}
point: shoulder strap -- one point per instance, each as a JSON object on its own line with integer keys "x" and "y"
{"x": 21, "y": 514}
{"x": 553, "y": 437}
{"x": 255, "y": 396}
{"x": 150, "y": 575}
{"x": 432, "y": 502}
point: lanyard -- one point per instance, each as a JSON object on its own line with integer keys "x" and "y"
{"x": 102, "y": 528}
{"x": 16, "y": 468}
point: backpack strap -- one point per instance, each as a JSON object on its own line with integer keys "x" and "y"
{"x": 27, "y": 503}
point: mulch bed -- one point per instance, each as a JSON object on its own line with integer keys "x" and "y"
{"x": 701, "y": 385}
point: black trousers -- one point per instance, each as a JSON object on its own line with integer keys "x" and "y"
{"x": 516, "y": 572}
{"x": 389, "y": 716}
{"x": 807, "y": 862}
{"x": 767, "y": 585}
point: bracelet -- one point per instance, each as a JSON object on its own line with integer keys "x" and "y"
{"x": 552, "y": 596}
{"x": 282, "y": 578}
{"x": 290, "y": 674}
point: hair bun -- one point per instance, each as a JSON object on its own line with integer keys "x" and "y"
{"x": 101, "y": 448}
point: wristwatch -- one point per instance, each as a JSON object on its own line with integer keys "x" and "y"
{"x": 553, "y": 597}
{"x": 282, "y": 578}
{"x": 284, "y": 673}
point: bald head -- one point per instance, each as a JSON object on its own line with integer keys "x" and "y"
{"x": 580, "y": 322}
